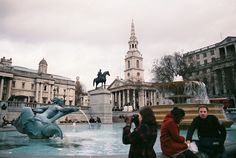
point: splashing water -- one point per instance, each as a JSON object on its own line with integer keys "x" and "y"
{"x": 85, "y": 116}
{"x": 198, "y": 91}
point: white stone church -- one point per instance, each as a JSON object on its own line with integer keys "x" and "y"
{"x": 133, "y": 90}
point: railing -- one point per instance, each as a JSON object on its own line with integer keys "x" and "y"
{"x": 16, "y": 106}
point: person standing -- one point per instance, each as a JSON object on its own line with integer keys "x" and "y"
{"x": 143, "y": 137}
{"x": 172, "y": 143}
{"x": 211, "y": 133}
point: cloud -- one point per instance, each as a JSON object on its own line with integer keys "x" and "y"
{"x": 79, "y": 37}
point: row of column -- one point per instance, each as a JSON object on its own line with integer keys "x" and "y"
{"x": 127, "y": 97}
{"x": 5, "y": 88}
{"x": 39, "y": 92}
{"x": 220, "y": 81}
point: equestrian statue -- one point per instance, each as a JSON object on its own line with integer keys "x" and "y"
{"x": 101, "y": 78}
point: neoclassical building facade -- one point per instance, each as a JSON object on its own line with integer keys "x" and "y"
{"x": 132, "y": 90}
{"x": 215, "y": 65}
{"x": 23, "y": 84}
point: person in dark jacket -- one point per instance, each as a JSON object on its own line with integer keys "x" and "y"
{"x": 143, "y": 137}
{"x": 210, "y": 132}
{"x": 172, "y": 143}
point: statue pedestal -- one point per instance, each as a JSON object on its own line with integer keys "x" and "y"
{"x": 101, "y": 105}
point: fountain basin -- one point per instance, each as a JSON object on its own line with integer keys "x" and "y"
{"x": 79, "y": 140}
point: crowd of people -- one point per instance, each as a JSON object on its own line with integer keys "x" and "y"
{"x": 211, "y": 135}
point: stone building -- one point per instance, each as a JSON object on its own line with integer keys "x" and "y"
{"x": 132, "y": 90}
{"x": 23, "y": 84}
{"x": 215, "y": 65}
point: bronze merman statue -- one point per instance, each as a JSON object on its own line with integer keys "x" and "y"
{"x": 39, "y": 123}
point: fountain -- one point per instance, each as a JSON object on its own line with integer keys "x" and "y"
{"x": 187, "y": 95}
{"x": 184, "y": 92}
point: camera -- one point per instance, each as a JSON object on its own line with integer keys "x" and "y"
{"x": 135, "y": 119}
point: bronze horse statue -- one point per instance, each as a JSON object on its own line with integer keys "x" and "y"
{"x": 101, "y": 79}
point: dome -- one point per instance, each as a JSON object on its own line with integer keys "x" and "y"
{"x": 43, "y": 62}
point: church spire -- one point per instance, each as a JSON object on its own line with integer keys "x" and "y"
{"x": 133, "y": 60}
{"x": 133, "y": 42}
{"x": 132, "y": 36}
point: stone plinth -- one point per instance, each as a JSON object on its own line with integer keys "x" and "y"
{"x": 101, "y": 105}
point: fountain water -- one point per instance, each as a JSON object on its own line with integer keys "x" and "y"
{"x": 184, "y": 92}
{"x": 85, "y": 117}
{"x": 198, "y": 91}
{"x": 186, "y": 95}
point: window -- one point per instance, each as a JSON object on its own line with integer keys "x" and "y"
{"x": 13, "y": 84}
{"x": 128, "y": 74}
{"x": 197, "y": 56}
{"x": 222, "y": 53}
{"x": 137, "y": 63}
{"x": 23, "y": 85}
{"x": 204, "y": 55}
{"x": 45, "y": 87}
{"x": 32, "y": 86}
{"x": 189, "y": 59}
{"x": 205, "y": 62}
{"x": 212, "y": 52}
{"x": 213, "y": 59}
{"x": 128, "y": 64}
{"x": 138, "y": 74}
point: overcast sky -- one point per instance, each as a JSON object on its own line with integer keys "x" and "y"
{"x": 78, "y": 37}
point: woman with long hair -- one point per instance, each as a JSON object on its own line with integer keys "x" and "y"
{"x": 143, "y": 137}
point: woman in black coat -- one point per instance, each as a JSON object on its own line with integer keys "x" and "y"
{"x": 143, "y": 137}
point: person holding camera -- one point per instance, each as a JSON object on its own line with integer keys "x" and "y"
{"x": 172, "y": 143}
{"x": 143, "y": 137}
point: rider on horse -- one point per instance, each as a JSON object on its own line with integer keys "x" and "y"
{"x": 101, "y": 78}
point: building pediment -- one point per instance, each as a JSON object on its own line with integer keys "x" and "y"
{"x": 116, "y": 83}
{"x": 227, "y": 40}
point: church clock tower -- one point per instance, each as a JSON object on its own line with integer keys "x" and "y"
{"x": 133, "y": 60}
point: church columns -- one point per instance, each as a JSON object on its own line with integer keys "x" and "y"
{"x": 151, "y": 97}
{"x": 128, "y": 100}
{"x": 144, "y": 97}
{"x": 124, "y": 102}
{"x": 119, "y": 101}
{"x": 134, "y": 102}
{"x": 141, "y": 98}
{"x": 155, "y": 98}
